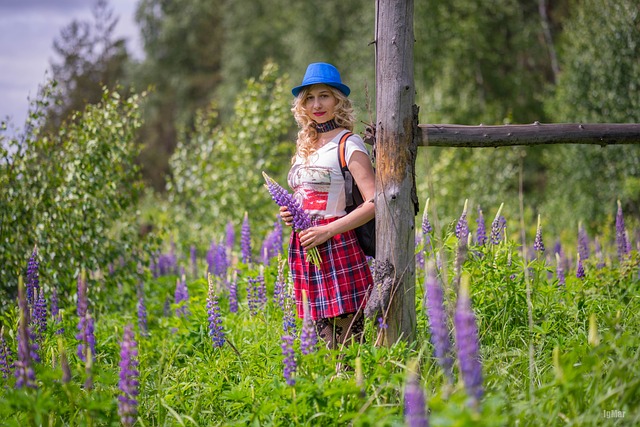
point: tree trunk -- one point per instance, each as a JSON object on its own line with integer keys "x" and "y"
{"x": 396, "y": 131}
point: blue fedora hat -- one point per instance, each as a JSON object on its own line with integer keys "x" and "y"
{"x": 322, "y": 73}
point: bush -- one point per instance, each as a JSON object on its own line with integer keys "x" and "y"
{"x": 72, "y": 194}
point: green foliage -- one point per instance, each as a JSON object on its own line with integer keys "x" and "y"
{"x": 480, "y": 62}
{"x": 217, "y": 170}
{"x": 600, "y": 70}
{"x": 585, "y": 337}
{"x": 73, "y": 194}
{"x": 599, "y": 83}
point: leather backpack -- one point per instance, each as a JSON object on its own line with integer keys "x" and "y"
{"x": 366, "y": 233}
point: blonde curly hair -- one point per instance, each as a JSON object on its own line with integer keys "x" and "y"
{"x": 308, "y": 135}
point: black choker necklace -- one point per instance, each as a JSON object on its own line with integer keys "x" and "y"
{"x": 327, "y": 126}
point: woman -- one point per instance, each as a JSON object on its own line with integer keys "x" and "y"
{"x": 338, "y": 288}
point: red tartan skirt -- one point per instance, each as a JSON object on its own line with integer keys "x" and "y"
{"x": 340, "y": 284}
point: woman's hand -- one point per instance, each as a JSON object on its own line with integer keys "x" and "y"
{"x": 286, "y": 216}
{"x": 315, "y": 236}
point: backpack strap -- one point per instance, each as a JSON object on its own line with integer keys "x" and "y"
{"x": 342, "y": 159}
{"x": 342, "y": 152}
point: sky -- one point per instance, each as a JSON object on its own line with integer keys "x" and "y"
{"x": 27, "y": 31}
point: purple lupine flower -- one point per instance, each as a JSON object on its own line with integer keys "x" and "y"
{"x": 583, "y": 242}
{"x": 467, "y": 345}
{"x": 272, "y": 244}
{"x": 267, "y": 250}
{"x": 221, "y": 262}
{"x": 261, "y": 288}
{"x": 381, "y": 323}
{"x": 233, "y": 293}
{"x": 217, "y": 260}
{"x": 5, "y": 356}
{"x": 278, "y": 240}
{"x": 481, "y": 230}
{"x": 230, "y": 237}
{"x": 24, "y": 373}
{"x": 141, "y": 310}
{"x": 210, "y": 256}
{"x": 282, "y": 197}
{"x": 557, "y": 247}
{"x": 415, "y": 414}
{"x": 621, "y": 235}
{"x": 215, "y": 322}
{"x": 289, "y": 323}
{"x": 289, "y": 318}
{"x": 86, "y": 336}
{"x": 440, "y": 338}
{"x": 579, "y": 268}
{"x": 497, "y": 227}
{"x": 560, "y": 271}
{"x": 181, "y": 298}
{"x": 85, "y": 321}
{"x": 301, "y": 220}
{"x": 308, "y": 334}
{"x": 165, "y": 264}
{"x": 194, "y": 261}
{"x": 289, "y": 359}
{"x": 40, "y": 316}
{"x": 461, "y": 255}
{"x": 55, "y": 310}
{"x": 426, "y": 224}
{"x": 245, "y": 240}
{"x": 538, "y": 245}
{"x": 128, "y": 383}
{"x": 33, "y": 279}
{"x": 462, "y": 227}
{"x": 252, "y": 295}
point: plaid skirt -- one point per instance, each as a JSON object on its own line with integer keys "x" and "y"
{"x": 340, "y": 284}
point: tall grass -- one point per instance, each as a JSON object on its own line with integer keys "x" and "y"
{"x": 543, "y": 361}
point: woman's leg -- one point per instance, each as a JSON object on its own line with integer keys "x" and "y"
{"x": 341, "y": 330}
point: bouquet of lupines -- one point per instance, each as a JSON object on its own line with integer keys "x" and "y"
{"x": 301, "y": 220}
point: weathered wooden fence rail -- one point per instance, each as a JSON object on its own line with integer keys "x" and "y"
{"x": 533, "y": 134}
{"x": 460, "y": 136}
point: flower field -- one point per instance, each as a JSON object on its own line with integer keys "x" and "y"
{"x": 506, "y": 334}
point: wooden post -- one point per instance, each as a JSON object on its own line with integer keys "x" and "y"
{"x": 396, "y": 131}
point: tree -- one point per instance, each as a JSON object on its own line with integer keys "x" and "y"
{"x": 489, "y": 63}
{"x": 90, "y": 59}
{"x": 599, "y": 54}
{"x": 183, "y": 47}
